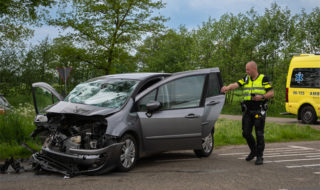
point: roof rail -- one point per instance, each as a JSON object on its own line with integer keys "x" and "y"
{"x": 293, "y": 54}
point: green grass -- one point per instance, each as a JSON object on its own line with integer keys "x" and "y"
{"x": 19, "y": 99}
{"x": 16, "y": 150}
{"x": 229, "y": 132}
{"x": 273, "y": 111}
{"x": 15, "y": 128}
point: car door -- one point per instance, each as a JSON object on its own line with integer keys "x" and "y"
{"x": 178, "y": 123}
{"x": 213, "y": 103}
{"x": 44, "y": 96}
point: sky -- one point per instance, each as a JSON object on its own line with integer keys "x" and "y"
{"x": 192, "y": 13}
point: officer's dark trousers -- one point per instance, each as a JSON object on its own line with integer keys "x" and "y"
{"x": 250, "y": 119}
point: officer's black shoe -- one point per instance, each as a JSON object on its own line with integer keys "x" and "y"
{"x": 259, "y": 160}
{"x": 250, "y": 156}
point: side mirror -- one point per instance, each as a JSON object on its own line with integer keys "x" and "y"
{"x": 153, "y": 106}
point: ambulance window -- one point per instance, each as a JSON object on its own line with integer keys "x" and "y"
{"x": 305, "y": 78}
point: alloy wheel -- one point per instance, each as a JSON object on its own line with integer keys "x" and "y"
{"x": 128, "y": 153}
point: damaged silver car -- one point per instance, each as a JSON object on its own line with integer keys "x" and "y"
{"x": 111, "y": 121}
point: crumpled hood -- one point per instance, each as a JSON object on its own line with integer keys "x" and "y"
{"x": 63, "y": 107}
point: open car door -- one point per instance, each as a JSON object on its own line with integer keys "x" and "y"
{"x": 214, "y": 102}
{"x": 44, "y": 96}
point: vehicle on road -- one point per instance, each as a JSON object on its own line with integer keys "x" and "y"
{"x": 112, "y": 121}
{"x": 4, "y": 104}
{"x": 303, "y": 87}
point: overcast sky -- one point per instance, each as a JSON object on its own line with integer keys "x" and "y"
{"x": 192, "y": 13}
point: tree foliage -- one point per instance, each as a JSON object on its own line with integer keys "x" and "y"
{"x": 117, "y": 36}
{"x": 110, "y": 27}
{"x": 233, "y": 40}
{"x": 167, "y": 52}
{"x": 13, "y": 18}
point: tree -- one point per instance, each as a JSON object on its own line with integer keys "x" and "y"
{"x": 10, "y": 62}
{"x": 309, "y": 31}
{"x": 14, "y": 15}
{"x": 37, "y": 65}
{"x": 66, "y": 54}
{"x": 110, "y": 25}
{"x": 168, "y": 52}
{"x": 274, "y": 32}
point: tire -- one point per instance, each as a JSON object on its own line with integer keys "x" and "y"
{"x": 308, "y": 115}
{"x": 207, "y": 146}
{"x": 129, "y": 153}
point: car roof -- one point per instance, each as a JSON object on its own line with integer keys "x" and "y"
{"x": 132, "y": 76}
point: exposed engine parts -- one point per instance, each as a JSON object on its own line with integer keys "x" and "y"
{"x": 72, "y": 145}
{"x": 64, "y": 132}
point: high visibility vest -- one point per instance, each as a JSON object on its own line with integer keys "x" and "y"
{"x": 253, "y": 87}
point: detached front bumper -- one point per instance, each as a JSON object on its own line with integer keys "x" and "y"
{"x": 80, "y": 161}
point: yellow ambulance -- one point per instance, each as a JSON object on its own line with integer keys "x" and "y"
{"x": 303, "y": 87}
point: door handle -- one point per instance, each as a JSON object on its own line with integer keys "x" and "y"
{"x": 192, "y": 115}
{"x": 212, "y": 103}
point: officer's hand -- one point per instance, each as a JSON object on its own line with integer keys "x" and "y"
{"x": 258, "y": 97}
{"x": 224, "y": 89}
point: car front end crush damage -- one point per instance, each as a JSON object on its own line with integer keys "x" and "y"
{"x": 75, "y": 145}
{"x": 73, "y": 129}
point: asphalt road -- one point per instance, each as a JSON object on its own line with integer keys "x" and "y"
{"x": 291, "y": 166}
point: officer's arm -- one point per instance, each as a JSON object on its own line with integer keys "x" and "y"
{"x": 267, "y": 85}
{"x": 232, "y": 86}
{"x": 265, "y": 96}
{"x": 269, "y": 94}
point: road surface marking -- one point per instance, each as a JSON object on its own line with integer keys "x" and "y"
{"x": 268, "y": 151}
{"x": 302, "y": 147}
{"x": 294, "y": 160}
{"x": 302, "y": 166}
{"x": 287, "y": 155}
{"x": 313, "y": 156}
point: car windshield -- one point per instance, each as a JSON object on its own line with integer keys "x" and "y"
{"x": 111, "y": 93}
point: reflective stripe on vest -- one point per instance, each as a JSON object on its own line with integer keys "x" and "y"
{"x": 253, "y": 87}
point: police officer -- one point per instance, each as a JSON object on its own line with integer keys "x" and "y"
{"x": 257, "y": 90}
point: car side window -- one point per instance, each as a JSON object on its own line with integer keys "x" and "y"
{"x": 149, "y": 83}
{"x": 214, "y": 85}
{"x": 181, "y": 93}
{"x": 142, "y": 104}
{"x": 305, "y": 78}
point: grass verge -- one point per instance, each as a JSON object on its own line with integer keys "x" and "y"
{"x": 229, "y": 132}
{"x": 15, "y": 128}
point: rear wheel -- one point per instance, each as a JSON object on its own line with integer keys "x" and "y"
{"x": 129, "y": 153}
{"x": 207, "y": 146}
{"x": 308, "y": 115}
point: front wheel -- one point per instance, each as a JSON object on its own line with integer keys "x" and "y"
{"x": 207, "y": 146}
{"x": 129, "y": 153}
{"x": 308, "y": 115}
